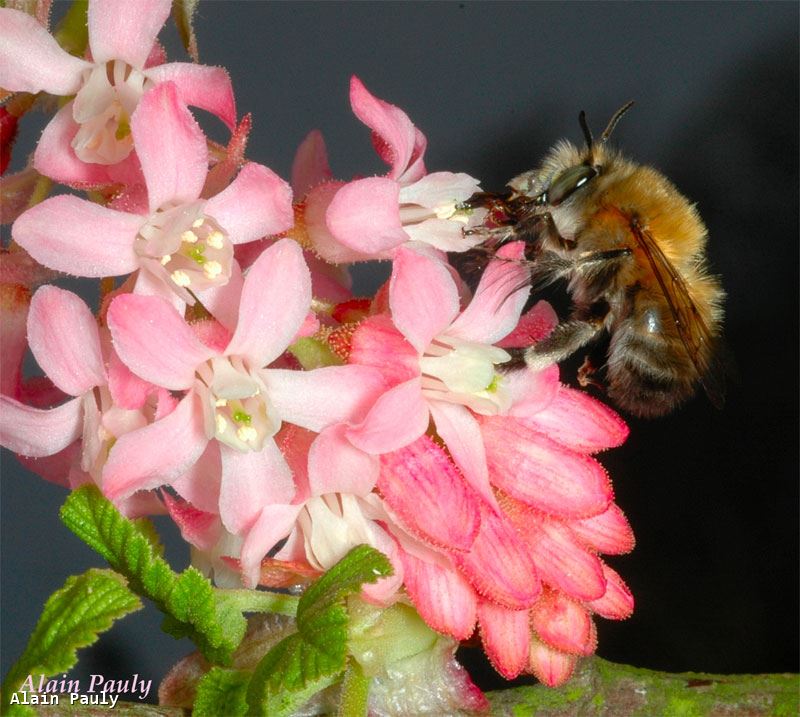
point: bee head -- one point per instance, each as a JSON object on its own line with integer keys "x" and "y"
{"x": 573, "y": 178}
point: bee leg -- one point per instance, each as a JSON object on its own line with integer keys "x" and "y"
{"x": 565, "y": 340}
{"x": 551, "y": 231}
{"x": 586, "y": 373}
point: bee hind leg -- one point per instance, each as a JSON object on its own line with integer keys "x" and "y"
{"x": 565, "y": 340}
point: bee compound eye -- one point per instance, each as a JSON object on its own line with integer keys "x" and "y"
{"x": 568, "y": 182}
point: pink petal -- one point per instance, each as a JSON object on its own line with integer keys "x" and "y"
{"x": 14, "y": 301}
{"x": 317, "y": 233}
{"x": 499, "y": 299}
{"x": 562, "y": 562}
{"x": 617, "y": 602}
{"x": 439, "y": 189}
{"x": 394, "y": 134}
{"x": 336, "y": 466}
{"x": 200, "y": 484}
{"x": 39, "y": 432}
{"x": 310, "y": 166}
{"x": 208, "y": 88}
{"x": 461, "y": 434}
{"x": 531, "y": 391}
{"x": 608, "y": 532}
{"x": 499, "y": 564}
{"x": 222, "y": 302}
{"x": 251, "y": 481}
{"x": 551, "y": 667}
{"x": 171, "y": 147}
{"x": 55, "y": 158}
{"x": 398, "y": 417}
{"x": 506, "y": 637}
{"x": 273, "y": 524}
{"x": 443, "y": 598}
{"x": 276, "y": 297}
{"x": 156, "y": 454}
{"x": 319, "y": 398}
{"x": 540, "y": 473}
{"x": 32, "y": 61}
{"x": 125, "y": 31}
{"x": 364, "y": 216}
{"x": 377, "y": 342}
{"x": 127, "y": 389}
{"x": 63, "y": 336}
{"x": 154, "y": 341}
{"x": 426, "y": 492}
{"x": 534, "y": 325}
{"x": 580, "y": 422}
{"x": 564, "y": 624}
{"x": 423, "y": 296}
{"x": 79, "y": 237}
{"x": 258, "y": 202}
{"x": 200, "y": 529}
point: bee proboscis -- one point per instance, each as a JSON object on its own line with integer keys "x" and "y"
{"x": 632, "y": 250}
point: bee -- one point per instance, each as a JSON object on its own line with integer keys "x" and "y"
{"x": 632, "y": 250}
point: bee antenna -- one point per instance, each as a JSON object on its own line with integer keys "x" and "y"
{"x": 587, "y": 133}
{"x": 612, "y": 123}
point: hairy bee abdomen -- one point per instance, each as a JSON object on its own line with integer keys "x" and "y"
{"x": 648, "y": 372}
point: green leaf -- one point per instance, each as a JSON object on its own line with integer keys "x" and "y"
{"x": 192, "y": 606}
{"x": 183, "y": 14}
{"x": 72, "y": 618}
{"x": 259, "y": 601}
{"x": 313, "y": 658}
{"x": 222, "y": 692}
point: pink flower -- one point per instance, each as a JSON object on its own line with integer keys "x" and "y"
{"x": 369, "y": 218}
{"x": 107, "y": 401}
{"x": 232, "y": 406}
{"x": 530, "y": 579}
{"x": 441, "y": 362}
{"x": 181, "y": 243}
{"x": 91, "y": 132}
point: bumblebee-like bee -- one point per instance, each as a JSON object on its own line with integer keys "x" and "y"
{"x": 632, "y": 250}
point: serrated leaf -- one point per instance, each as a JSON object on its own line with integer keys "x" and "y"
{"x": 183, "y": 15}
{"x": 73, "y": 617}
{"x": 313, "y": 658}
{"x": 321, "y": 615}
{"x": 222, "y": 692}
{"x": 288, "y": 676}
{"x": 189, "y": 601}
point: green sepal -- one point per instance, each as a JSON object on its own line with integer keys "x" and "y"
{"x": 73, "y": 617}
{"x": 183, "y": 14}
{"x": 221, "y": 692}
{"x": 313, "y": 353}
{"x": 316, "y": 655}
{"x": 192, "y": 606}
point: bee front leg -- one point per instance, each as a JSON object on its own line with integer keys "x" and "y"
{"x": 565, "y": 340}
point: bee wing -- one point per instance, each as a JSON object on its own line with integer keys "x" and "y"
{"x": 700, "y": 343}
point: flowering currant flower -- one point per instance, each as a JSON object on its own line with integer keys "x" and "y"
{"x": 182, "y": 243}
{"x": 530, "y": 579}
{"x": 442, "y": 362}
{"x": 233, "y": 406}
{"x": 107, "y": 400}
{"x": 369, "y": 218}
{"x": 91, "y": 133}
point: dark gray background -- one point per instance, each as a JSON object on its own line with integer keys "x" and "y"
{"x": 712, "y": 495}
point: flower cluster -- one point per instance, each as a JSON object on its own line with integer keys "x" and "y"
{"x": 232, "y": 379}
